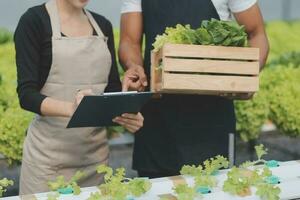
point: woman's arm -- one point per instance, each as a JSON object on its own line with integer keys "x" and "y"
{"x": 28, "y": 43}
{"x": 28, "y": 39}
{"x": 53, "y": 107}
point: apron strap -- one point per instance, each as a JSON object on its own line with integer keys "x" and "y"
{"x": 54, "y": 18}
{"x": 55, "y": 21}
{"x": 94, "y": 23}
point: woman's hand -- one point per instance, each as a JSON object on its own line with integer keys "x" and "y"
{"x": 132, "y": 122}
{"x": 79, "y": 96}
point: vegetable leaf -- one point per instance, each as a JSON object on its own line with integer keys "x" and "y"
{"x": 191, "y": 170}
{"x": 61, "y": 183}
{"x": 268, "y": 192}
{"x": 184, "y": 192}
{"x": 260, "y": 151}
{"x": 115, "y": 187}
{"x": 4, "y": 183}
{"x": 240, "y": 180}
{"x": 53, "y": 196}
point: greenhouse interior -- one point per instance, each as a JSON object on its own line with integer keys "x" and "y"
{"x": 149, "y": 100}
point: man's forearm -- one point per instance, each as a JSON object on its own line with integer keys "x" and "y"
{"x": 260, "y": 41}
{"x": 130, "y": 55}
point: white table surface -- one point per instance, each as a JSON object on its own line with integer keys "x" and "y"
{"x": 289, "y": 173}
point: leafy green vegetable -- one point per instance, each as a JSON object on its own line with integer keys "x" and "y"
{"x": 104, "y": 169}
{"x": 289, "y": 59}
{"x": 203, "y": 36}
{"x": 214, "y": 164}
{"x": 178, "y": 35}
{"x": 268, "y": 192}
{"x": 98, "y": 196}
{"x": 240, "y": 180}
{"x": 260, "y": 151}
{"x": 53, "y": 196}
{"x": 4, "y": 183}
{"x": 209, "y": 167}
{"x": 223, "y": 33}
{"x": 191, "y": 170}
{"x": 213, "y": 32}
{"x": 61, "y": 183}
{"x": 184, "y": 192}
{"x": 205, "y": 181}
{"x": 115, "y": 187}
{"x": 139, "y": 186}
{"x": 203, "y": 176}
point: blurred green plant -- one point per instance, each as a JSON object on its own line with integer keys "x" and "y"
{"x": 5, "y": 36}
{"x": 277, "y": 99}
{"x": 291, "y": 59}
{"x": 251, "y": 116}
{"x": 283, "y": 84}
{"x": 13, "y": 120}
{"x": 283, "y": 37}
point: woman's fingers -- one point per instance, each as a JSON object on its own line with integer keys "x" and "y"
{"x": 129, "y": 127}
{"x": 80, "y": 94}
{"x": 124, "y": 121}
{"x": 138, "y": 116}
{"x": 132, "y": 129}
{"x": 132, "y": 122}
{"x": 85, "y": 92}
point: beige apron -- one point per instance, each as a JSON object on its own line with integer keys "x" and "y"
{"x": 50, "y": 149}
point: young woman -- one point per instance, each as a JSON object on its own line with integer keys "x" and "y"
{"x": 64, "y": 52}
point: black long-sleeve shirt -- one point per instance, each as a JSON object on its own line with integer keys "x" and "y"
{"x": 34, "y": 55}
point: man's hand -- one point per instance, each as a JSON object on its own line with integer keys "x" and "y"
{"x": 134, "y": 79}
{"x": 130, "y": 51}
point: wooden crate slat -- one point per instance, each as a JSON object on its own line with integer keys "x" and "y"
{"x": 156, "y": 75}
{"x": 214, "y": 52}
{"x": 195, "y": 82}
{"x": 210, "y": 66}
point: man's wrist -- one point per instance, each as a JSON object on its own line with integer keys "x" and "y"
{"x": 132, "y": 65}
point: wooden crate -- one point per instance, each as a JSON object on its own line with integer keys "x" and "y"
{"x": 198, "y": 69}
